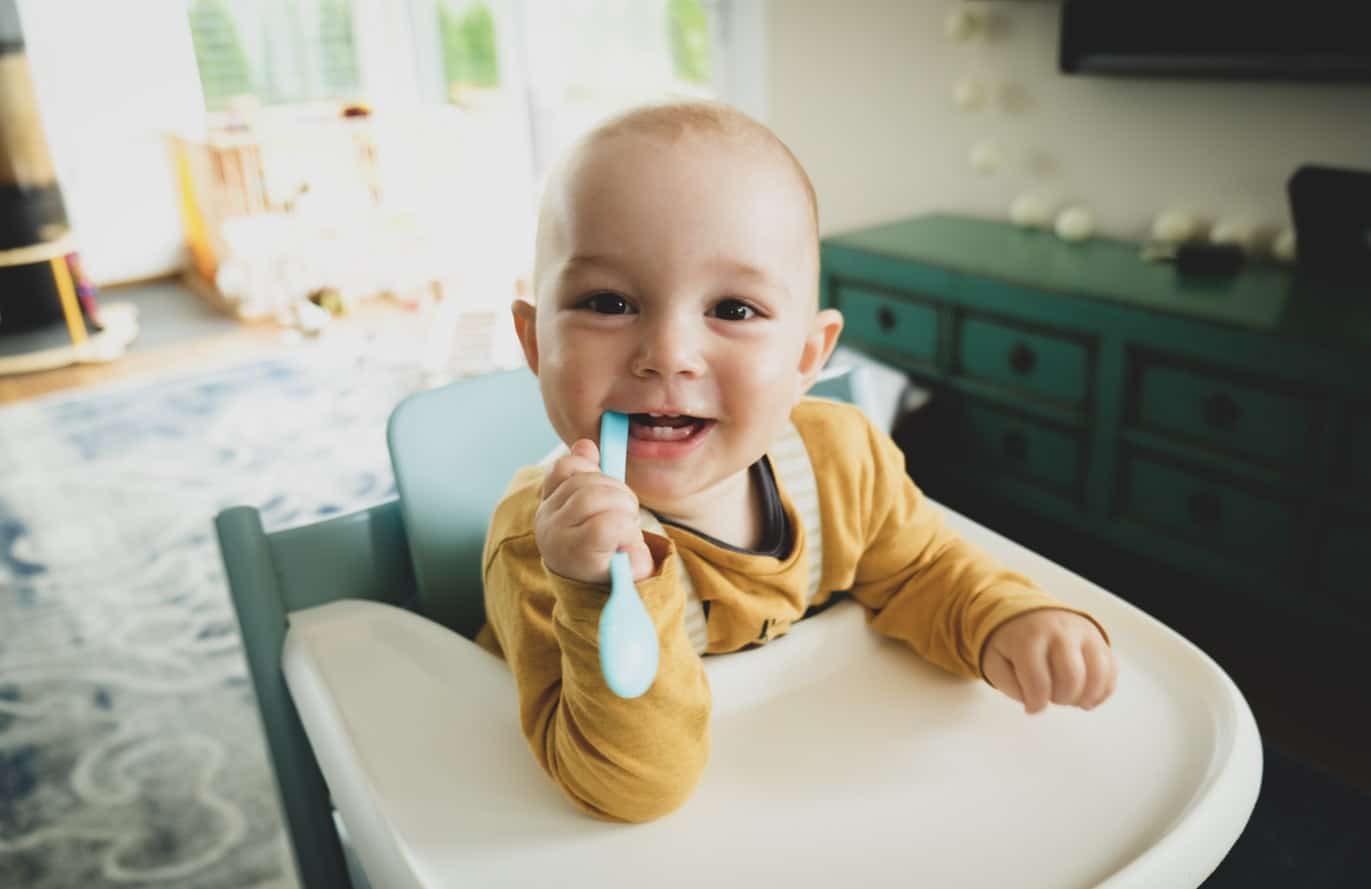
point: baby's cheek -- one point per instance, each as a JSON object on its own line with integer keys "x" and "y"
{"x": 765, "y": 413}
{"x": 569, "y": 399}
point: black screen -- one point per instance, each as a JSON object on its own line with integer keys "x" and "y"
{"x": 1300, "y": 41}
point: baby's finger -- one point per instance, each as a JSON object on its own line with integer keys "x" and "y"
{"x": 562, "y": 471}
{"x": 587, "y": 494}
{"x": 640, "y": 558}
{"x": 1068, "y": 671}
{"x": 574, "y": 463}
{"x": 584, "y": 447}
{"x": 1035, "y": 679}
{"x": 555, "y": 499}
{"x": 999, "y": 672}
{"x": 606, "y": 533}
{"x": 1103, "y": 670}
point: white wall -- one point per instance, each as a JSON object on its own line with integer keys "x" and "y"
{"x": 862, "y": 91}
{"x": 112, "y": 78}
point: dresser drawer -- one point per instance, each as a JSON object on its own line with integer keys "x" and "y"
{"x": 1032, "y": 361}
{"x": 1241, "y": 416}
{"x": 890, "y": 322}
{"x": 1354, "y": 450}
{"x": 1003, "y": 443}
{"x": 1341, "y": 563}
{"x": 1209, "y": 512}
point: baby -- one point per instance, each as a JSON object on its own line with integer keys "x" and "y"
{"x": 676, "y": 280}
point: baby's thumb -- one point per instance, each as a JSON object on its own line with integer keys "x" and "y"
{"x": 640, "y": 560}
{"x": 586, "y": 448}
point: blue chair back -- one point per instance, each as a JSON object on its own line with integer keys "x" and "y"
{"x": 454, "y": 451}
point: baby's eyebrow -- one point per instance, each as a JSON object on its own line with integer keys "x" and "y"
{"x": 738, "y": 267}
{"x": 590, "y": 259}
{"x": 727, "y": 265}
{"x": 723, "y": 265}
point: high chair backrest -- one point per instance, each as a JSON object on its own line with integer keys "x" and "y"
{"x": 453, "y": 451}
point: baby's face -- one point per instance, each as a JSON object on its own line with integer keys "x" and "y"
{"x": 679, "y": 288}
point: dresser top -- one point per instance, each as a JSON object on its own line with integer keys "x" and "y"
{"x": 1262, "y": 296}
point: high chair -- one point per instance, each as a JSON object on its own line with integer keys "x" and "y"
{"x": 838, "y": 758}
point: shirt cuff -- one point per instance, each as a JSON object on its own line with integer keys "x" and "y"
{"x": 579, "y": 604}
{"x": 1043, "y": 603}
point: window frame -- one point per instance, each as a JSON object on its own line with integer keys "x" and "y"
{"x": 395, "y": 64}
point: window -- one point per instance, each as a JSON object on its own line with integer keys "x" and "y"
{"x": 563, "y": 63}
{"x": 472, "y": 99}
{"x": 520, "y": 80}
{"x": 587, "y": 59}
{"x": 275, "y": 50}
{"x": 466, "y": 35}
{"x": 689, "y": 31}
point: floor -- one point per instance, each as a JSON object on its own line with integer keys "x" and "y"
{"x": 178, "y": 329}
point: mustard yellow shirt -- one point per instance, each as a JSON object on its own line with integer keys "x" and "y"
{"x": 881, "y": 540}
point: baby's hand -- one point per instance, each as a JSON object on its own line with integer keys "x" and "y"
{"x": 1050, "y": 655}
{"x": 585, "y": 517}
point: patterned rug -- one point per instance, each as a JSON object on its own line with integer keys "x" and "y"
{"x": 130, "y": 747}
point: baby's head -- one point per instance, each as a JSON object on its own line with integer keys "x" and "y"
{"x": 676, "y": 280}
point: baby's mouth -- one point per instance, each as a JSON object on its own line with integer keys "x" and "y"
{"x": 665, "y": 427}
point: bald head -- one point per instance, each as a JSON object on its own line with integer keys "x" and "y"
{"x": 661, "y": 131}
{"x": 672, "y": 122}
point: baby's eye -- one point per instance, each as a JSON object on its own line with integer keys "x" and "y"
{"x": 734, "y": 310}
{"x": 606, "y": 303}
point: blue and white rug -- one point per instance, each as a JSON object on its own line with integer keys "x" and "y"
{"x": 131, "y": 752}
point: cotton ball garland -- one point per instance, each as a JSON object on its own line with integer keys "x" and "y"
{"x": 969, "y": 94}
{"x": 962, "y": 23}
{"x": 1011, "y": 96}
{"x": 986, "y": 158}
{"x": 1175, "y": 226}
{"x": 1031, "y": 211}
{"x": 1237, "y": 233}
{"x": 1283, "y": 247}
{"x": 1075, "y": 224}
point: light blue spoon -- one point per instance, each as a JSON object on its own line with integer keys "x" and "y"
{"x": 628, "y": 638}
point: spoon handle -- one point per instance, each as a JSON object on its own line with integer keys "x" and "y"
{"x": 628, "y": 637}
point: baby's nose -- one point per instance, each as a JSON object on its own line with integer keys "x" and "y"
{"x": 668, "y": 349}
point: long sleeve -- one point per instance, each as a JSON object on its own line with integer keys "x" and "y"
{"x": 924, "y": 584}
{"x": 624, "y": 760}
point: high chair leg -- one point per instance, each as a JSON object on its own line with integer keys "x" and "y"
{"x": 303, "y": 793}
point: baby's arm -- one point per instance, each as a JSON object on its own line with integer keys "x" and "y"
{"x": 959, "y": 609}
{"x": 628, "y": 760}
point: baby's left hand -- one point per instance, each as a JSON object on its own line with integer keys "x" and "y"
{"x": 1050, "y": 655}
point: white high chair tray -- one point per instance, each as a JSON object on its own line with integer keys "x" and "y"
{"x": 838, "y": 758}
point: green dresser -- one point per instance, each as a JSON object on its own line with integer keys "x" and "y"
{"x": 1221, "y": 426}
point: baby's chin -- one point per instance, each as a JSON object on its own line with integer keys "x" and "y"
{"x": 662, "y": 500}
{"x": 679, "y": 497}
{"x": 663, "y": 491}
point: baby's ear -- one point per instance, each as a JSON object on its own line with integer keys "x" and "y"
{"x": 526, "y": 328}
{"x": 819, "y": 343}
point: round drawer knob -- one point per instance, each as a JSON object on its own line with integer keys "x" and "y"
{"x": 1221, "y": 411}
{"x": 1205, "y": 507}
{"x": 885, "y": 318}
{"x": 1022, "y": 359}
{"x": 1015, "y": 445}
